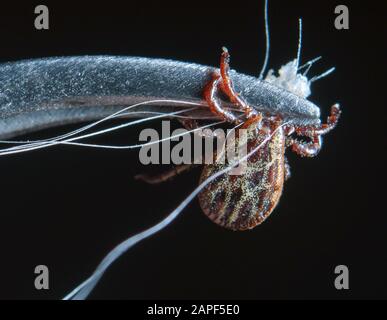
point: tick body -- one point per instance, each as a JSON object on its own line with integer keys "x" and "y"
{"x": 240, "y": 202}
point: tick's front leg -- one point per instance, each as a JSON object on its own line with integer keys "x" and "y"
{"x": 311, "y": 149}
{"x": 324, "y": 128}
{"x": 210, "y": 95}
{"x": 228, "y": 88}
{"x": 224, "y": 82}
{"x": 305, "y": 149}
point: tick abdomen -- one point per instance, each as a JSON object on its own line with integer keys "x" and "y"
{"x": 241, "y": 202}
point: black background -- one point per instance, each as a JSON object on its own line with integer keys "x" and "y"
{"x": 66, "y": 207}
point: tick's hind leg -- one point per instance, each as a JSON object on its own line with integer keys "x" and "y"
{"x": 193, "y": 126}
{"x": 164, "y": 176}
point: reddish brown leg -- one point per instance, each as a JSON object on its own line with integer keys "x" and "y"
{"x": 227, "y": 85}
{"x": 255, "y": 118}
{"x": 306, "y": 149}
{"x": 191, "y": 124}
{"x": 224, "y": 82}
{"x": 164, "y": 176}
{"x": 324, "y": 128}
{"x": 310, "y": 149}
{"x": 210, "y": 95}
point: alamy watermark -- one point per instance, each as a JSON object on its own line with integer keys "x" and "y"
{"x": 342, "y": 279}
{"x": 342, "y": 18}
{"x": 42, "y": 278}
{"x": 42, "y": 17}
{"x": 203, "y": 147}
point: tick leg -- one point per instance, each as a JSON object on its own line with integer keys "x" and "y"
{"x": 310, "y": 149}
{"x": 164, "y": 176}
{"x": 255, "y": 118}
{"x": 228, "y": 88}
{"x": 191, "y": 124}
{"x": 324, "y": 128}
{"x": 224, "y": 82}
{"x": 227, "y": 85}
{"x": 305, "y": 149}
{"x": 210, "y": 95}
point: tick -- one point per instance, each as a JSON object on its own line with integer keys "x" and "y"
{"x": 241, "y": 202}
